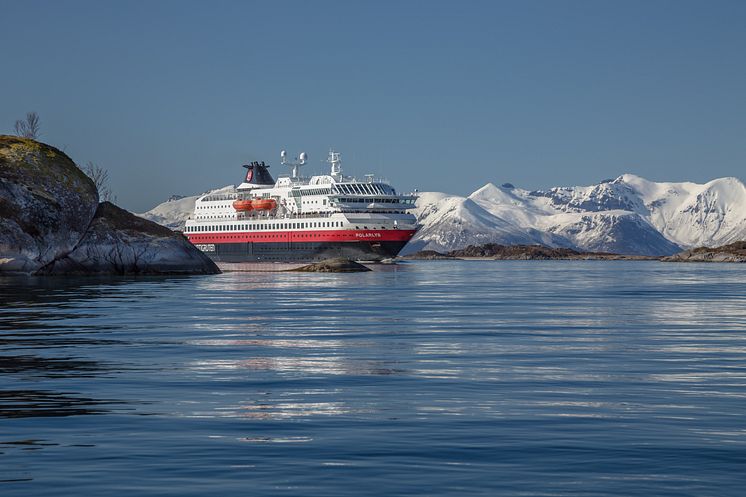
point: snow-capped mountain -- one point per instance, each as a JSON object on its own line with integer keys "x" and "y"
{"x": 453, "y": 222}
{"x": 692, "y": 215}
{"x": 628, "y": 215}
{"x": 449, "y": 222}
{"x": 615, "y": 231}
{"x": 607, "y": 217}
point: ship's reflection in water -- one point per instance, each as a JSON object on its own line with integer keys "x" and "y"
{"x": 481, "y": 378}
{"x": 288, "y": 327}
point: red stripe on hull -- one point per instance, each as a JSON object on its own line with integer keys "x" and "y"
{"x": 304, "y": 236}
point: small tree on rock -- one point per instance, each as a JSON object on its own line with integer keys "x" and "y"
{"x": 100, "y": 177}
{"x": 28, "y": 128}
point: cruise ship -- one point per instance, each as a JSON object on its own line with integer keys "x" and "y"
{"x": 302, "y": 219}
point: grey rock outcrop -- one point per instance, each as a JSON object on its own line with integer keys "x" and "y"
{"x": 734, "y": 252}
{"x": 46, "y": 204}
{"x": 51, "y": 222}
{"x": 118, "y": 242}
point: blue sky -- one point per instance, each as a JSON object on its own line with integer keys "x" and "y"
{"x": 172, "y": 97}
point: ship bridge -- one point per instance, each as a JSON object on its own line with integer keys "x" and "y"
{"x": 372, "y": 197}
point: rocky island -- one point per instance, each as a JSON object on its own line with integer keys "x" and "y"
{"x": 335, "y": 265}
{"x": 51, "y": 222}
{"x": 733, "y": 252}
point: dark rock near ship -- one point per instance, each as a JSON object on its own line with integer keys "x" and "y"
{"x": 118, "y": 242}
{"x": 51, "y": 222}
{"x": 734, "y": 252}
{"x": 338, "y": 265}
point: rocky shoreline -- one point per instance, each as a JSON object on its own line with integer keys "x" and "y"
{"x": 493, "y": 251}
{"x": 51, "y": 222}
{"x": 735, "y": 252}
{"x": 118, "y": 242}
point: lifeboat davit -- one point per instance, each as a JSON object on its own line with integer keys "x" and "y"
{"x": 263, "y": 204}
{"x": 243, "y": 205}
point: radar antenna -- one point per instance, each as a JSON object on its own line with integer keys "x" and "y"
{"x": 296, "y": 164}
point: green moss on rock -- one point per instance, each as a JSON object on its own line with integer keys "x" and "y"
{"x": 38, "y": 165}
{"x": 46, "y": 204}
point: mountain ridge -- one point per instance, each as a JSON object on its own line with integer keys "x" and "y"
{"x": 628, "y": 214}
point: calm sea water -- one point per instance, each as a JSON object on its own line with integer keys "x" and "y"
{"x": 428, "y": 378}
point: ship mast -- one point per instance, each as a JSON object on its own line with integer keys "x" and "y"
{"x": 336, "y": 163}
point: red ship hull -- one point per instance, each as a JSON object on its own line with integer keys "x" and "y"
{"x": 300, "y": 245}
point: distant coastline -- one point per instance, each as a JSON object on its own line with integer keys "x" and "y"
{"x": 734, "y": 252}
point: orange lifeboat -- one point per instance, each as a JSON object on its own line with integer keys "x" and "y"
{"x": 243, "y": 205}
{"x": 263, "y": 204}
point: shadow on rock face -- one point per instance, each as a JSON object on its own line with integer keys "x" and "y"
{"x": 118, "y": 242}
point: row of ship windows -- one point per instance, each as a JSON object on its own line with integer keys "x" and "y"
{"x": 219, "y": 198}
{"x": 343, "y": 211}
{"x": 266, "y": 226}
{"x": 315, "y": 191}
{"x": 371, "y": 211}
{"x": 283, "y": 236}
{"x": 376, "y": 200}
{"x": 364, "y": 189}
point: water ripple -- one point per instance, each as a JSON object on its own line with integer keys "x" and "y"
{"x": 443, "y": 378}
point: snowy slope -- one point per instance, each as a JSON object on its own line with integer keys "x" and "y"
{"x": 606, "y": 196}
{"x": 449, "y": 222}
{"x": 692, "y": 215}
{"x": 615, "y": 231}
{"x": 603, "y": 218}
{"x": 687, "y": 214}
{"x": 513, "y": 204}
{"x": 174, "y": 212}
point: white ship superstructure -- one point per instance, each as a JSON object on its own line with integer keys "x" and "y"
{"x": 297, "y": 218}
